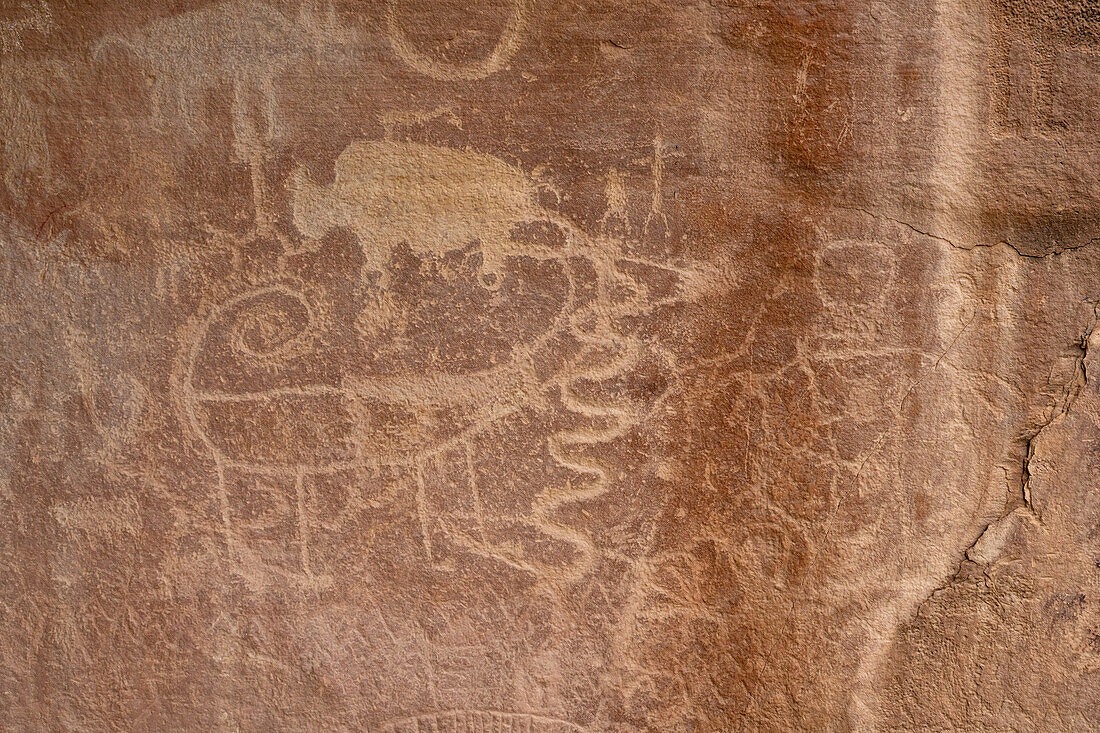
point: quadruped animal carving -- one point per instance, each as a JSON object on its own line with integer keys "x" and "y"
{"x": 416, "y": 447}
{"x": 435, "y": 199}
{"x": 502, "y": 53}
{"x": 244, "y": 43}
{"x": 334, "y": 424}
{"x": 288, "y": 428}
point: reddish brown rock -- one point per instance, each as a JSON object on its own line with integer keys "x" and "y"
{"x": 515, "y": 365}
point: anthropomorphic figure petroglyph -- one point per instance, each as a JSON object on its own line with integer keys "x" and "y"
{"x": 425, "y": 63}
{"x": 114, "y": 402}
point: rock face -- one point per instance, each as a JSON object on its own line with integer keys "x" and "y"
{"x": 548, "y": 366}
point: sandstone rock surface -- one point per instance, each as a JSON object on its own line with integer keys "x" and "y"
{"x": 625, "y": 365}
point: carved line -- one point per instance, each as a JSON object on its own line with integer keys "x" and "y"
{"x": 500, "y": 55}
{"x": 487, "y": 721}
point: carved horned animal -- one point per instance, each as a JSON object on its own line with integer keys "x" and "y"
{"x": 243, "y": 43}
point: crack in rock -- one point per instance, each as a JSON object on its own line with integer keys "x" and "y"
{"x": 971, "y": 248}
{"x": 989, "y": 544}
{"x": 1070, "y": 391}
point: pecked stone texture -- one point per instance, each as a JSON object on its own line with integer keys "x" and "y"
{"x": 548, "y": 366}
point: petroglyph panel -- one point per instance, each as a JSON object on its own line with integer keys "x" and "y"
{"x": 548, "y": 367}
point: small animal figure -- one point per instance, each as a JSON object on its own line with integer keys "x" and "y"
{"x": 244, "y": 43}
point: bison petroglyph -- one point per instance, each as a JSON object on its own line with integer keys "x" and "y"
{"x": 432, "y": 198}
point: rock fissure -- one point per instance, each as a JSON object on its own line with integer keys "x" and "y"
{"x": 990, "y": 245}
{"x": 996, "y": 533}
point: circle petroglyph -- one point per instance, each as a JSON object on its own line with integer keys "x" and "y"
{"x": 510, "y": 38}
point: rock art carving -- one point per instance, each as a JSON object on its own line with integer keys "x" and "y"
{"x": 430, "y": 197}
{"x": 245, "y": 44}
{"x": 1028, "y": 39}
{"x": 276, "y": 324}
{"x": 616, "y": 218}
{"x": 616, "y": 366}
{"x": 393, "y": 119}
{"x": 434, "y": 200}
{"x": 426, "y": 64}
{"x": 656, "y": 207}
{"x": 480, "y": 721}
